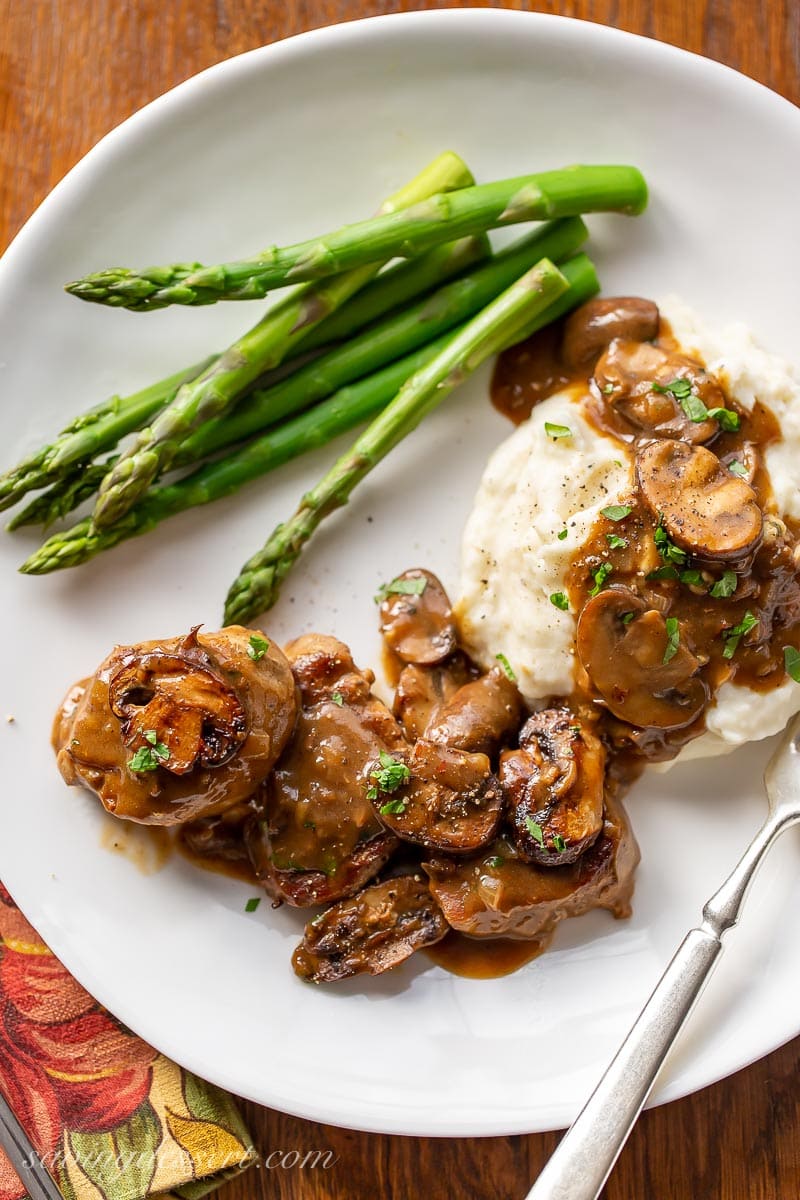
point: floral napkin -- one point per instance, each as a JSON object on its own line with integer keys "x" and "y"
{"x": 110, "y": 1116}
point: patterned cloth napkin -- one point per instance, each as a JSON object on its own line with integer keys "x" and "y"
{"x": 110, "y": 1116}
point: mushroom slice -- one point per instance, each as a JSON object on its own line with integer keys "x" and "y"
{"x": 416, "y": 618}
{"x": 422, "y": 692}
{"x": 622, "y": 645}
{"x": 633, "y": 378}
{"x": 176, "y": 699}
{"x": 703, "y": 507}
{"x": 498, "y": 894}
{"x": 590, "y": 328}
{"x": 480, "y": 716}
{"x": 371, "y": 932}
{"x": 554, "y": 787}
{"x": 451, "y": 800}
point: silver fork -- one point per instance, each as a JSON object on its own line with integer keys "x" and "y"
{"x": 588, "y": 1150}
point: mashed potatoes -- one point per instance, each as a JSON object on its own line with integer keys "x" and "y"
{"x": 535, "y": 487}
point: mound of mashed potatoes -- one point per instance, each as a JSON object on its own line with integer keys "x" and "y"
{"x": 539, "y": 498}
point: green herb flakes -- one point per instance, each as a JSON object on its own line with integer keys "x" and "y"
{"x": 615, "y": 542}
{"x": 725, "y": 586}
{"x": 494, "y": 861}
{"x": 791, "y": 661}
{"x": 600, "y": 575}
{"x": 558, "y": 843}
{"x": 560, "y": 601}
{"x": 151, "y": 756}
{"x": 391, "y": 775}
{"x": 337, "y": 698}
{"x": 535, "y": 830}
{"x": 252, "y": 904}
{"x": 617, "y": 512}
{"x": 258, "y": 647}
{"x": 395, "y": 807}
{"x": 557, "y": 431}
{"x": 733, "y": 636}
{"x": 506, "y": 665}
{"x": 562, "y": 535}
{"x": 402, "y": 587}
{"x": 681, "y": 389}
{"x": 673, "y": 638}
{"x": 737, "y": 468}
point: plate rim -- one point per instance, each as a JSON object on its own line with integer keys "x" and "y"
{"x": 139, "y": 124}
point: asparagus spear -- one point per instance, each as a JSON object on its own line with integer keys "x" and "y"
{"x": 102, "y": 427}
{"x": 565, "y": 192}
{"x": 256, "y": 587}
{"x": 378, "y": 344}
{"x": 264, "y": 346}
{"x": 346, "y": 408}
{"x": 94, "y": 431}
{"x": 75, "y": 486}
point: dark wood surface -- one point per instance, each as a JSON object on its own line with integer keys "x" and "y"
{"x": 72, "y": 69}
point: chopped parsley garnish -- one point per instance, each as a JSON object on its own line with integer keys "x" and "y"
{"x": 681, "y": 389}
{"x": 558, "y": 843}
{"x": 149, "y": 757}
{"x": 494, "y": 861}
{"x": 626, "y": 618}
{"x": 258, "y": 647}
{"x": 673, "y": 638}
{"x": 670, "y": 553}
{"x": 506, "y": 665}
{"x": 725, "y": 586}
{"x": 665, "y": 572}
{"x": 398, "y": 805}
{"x": 737, "y": 468}
{"x": 617, "y": 512}
{"x": 727, "y": 419}
{"x": 391, "y": 775}
{"x": 562, "y": 535}
{"x": 557, "y": 431}
{"x": 600, "y": 575}
{"x": 615, "y": 542}
{"x": 560, "y": 601}
{"x": 791, "y": 661}
{"x": 692, "y": 577}
{"x": 695, "y": 409}
{"x": 535, "y": 830}
{"x": 337, "y": 698}
{"x": 733, "y": 636}
{"x": 608, "y": 389}
{"x": 402, "y": 587}
{"x": 252, "y": 904}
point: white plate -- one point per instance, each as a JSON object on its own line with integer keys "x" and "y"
{"x": 277, "y": 145}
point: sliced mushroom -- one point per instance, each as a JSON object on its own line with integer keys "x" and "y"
{"x": 371, "y": 932}
{"x": 625, "y": 377}
{"x": 416, "y": 619}
{"x": 177, "y": 700}
{"x": 744, "y": 462}
{"x": 480, "y": 716}
{"x": 498, "y": 894}
{"x": 703, "y": 507}
{"x": 622, "y": 645}
{"x": 451, "y": 801}
{"x": 422, "y": 692}
{"x": 554, "y": 787}
{"x": 168, "y": 732}
{"x": 590, "y": 328}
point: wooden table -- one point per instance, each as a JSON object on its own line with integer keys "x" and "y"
{"x": 72, "y": 69}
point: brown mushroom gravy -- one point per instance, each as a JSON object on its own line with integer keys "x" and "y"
{"x": 458, "y": 821}
{"x": 692, "y": 579}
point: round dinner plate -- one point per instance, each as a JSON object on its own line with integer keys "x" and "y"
{"x": 277, "y": 145}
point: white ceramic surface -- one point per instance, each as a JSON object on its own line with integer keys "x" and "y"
{"x": 276, "y": 145}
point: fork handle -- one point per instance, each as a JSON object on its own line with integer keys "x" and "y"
{"x": 585, "y": 1155}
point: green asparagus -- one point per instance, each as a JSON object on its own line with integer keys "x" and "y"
{"x": 346, "y": 408}
{"x": 90, "y": 434}
{"x": 445, "y": 308}
{"x": 496, "y": 326}
{"x": 444, "y": 217}
{"x": 263, "y": 347}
